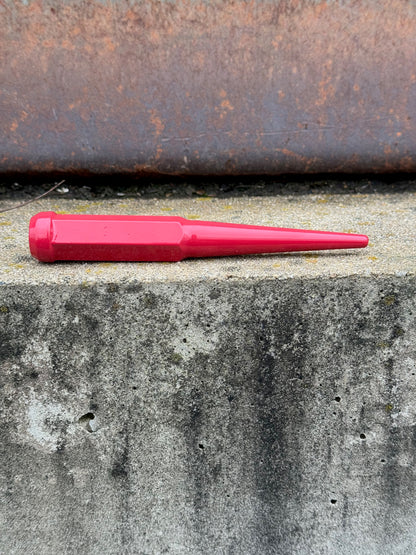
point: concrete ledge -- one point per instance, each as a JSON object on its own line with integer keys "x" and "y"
{"x": 258, "y": 405}
{"x": 387, "y": 219}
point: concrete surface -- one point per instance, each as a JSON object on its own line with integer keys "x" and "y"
{"x": 244, "y": 406}
{"x": 388, "y": 220}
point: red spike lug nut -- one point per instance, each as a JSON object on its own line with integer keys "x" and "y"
{"x": 164, "y": 238}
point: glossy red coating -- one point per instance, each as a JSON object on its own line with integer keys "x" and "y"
{"x": 164, "y": 238}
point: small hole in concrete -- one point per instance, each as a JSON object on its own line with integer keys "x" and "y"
{"x": 333, "y": 501}
{"x": 85, "y": 421}
{"x": 200, "y": 445}
{"x": 362, "y": 436}
{"x": 337, "y": 399}
{"x": 383, "y": 460}
{"x": 184, "y": 340}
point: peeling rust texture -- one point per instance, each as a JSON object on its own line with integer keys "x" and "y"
{"x": 207, "y": 86}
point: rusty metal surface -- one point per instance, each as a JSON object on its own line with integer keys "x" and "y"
{"x": 207, "y": 86}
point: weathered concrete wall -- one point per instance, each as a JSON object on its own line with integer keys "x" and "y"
{"x": 207, "y": 86}
{"x": 264, "y": 417}
{"x": 252, "y": 405}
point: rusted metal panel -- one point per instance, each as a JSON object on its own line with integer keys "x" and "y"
{"x": 207, "y": 86}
